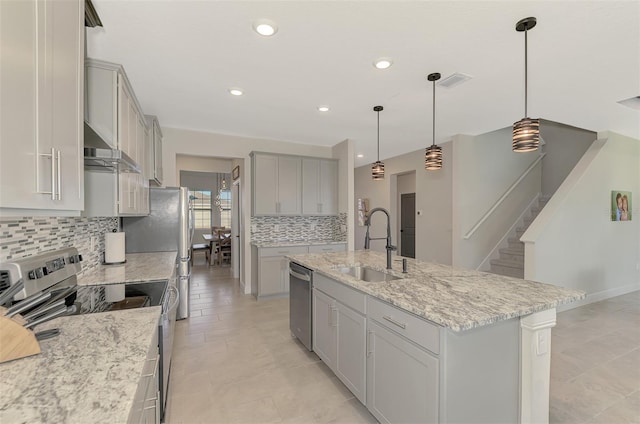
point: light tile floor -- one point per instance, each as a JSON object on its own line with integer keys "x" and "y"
{"x": 595, "y": 363}
{"x": 236, "y": 362}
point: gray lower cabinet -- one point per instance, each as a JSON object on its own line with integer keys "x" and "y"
{"x": 402, "y": 379}
{"x": 146, "y": 403}
{"x": 406, "y": 369}
{"x": 339, "y": 336}
{"x": 270, "y": 274}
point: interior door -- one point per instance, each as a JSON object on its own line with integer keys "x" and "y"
{"x": 408, "y": 225}
{"x": 236, "y": 263}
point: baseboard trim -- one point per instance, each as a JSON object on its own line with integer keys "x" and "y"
{"x": 601, "y": 295}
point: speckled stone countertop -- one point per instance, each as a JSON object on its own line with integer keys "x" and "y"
{"x": 457, "y": 299}
{"x": 295, "y": 243}
{"x": 139, "y": 267}
{"x": 87, "y": 374}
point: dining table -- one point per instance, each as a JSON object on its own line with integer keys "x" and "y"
{"x": 218, "y": 240}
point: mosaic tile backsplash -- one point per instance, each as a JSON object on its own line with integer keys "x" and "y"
{"x": 26, "y": 236}
{"x": 298, "y": 228}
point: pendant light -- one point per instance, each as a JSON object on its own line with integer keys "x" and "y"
{"x": 433, "y": 154}
{"x": 377, "y": 169}
{"x": 526, "y": 132}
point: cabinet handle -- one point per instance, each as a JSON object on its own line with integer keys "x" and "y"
{"x": 334, "y": 318}
{"x": 394, "y": 322}
{"x": 369, "y": 343}
{"x": 59, "y": 176}
{"x": 319, "y": 207}
{"x": 53, "y": 174}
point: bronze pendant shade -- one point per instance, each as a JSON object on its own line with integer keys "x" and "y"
{"x": 377, "y": 169}
{"x": 526, "y": 132}
{"x": 433, "y": 153}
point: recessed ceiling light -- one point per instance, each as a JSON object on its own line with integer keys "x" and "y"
{"x": 359, "y": 155}
{"x": 383, "y": 63}
{"x": 236, "y": 92}
{"x": 265, "y": 28}
{"x": 323, "y": 108}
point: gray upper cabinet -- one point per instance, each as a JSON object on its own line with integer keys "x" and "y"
{"x": 277, "y": 185}
{"x": 155, "y": 151}
{"x": 319, "y": 186}
{"x": 114, "y": 113}
{"x": 41, "y": 142}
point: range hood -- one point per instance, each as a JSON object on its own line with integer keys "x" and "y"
{"x": 99, "y": 156}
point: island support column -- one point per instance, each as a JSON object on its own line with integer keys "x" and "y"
{"x": 535, "y": 366}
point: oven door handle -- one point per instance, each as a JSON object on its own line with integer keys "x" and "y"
{"x": 173, "y": 289}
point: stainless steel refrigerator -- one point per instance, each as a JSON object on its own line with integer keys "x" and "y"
{"x": 168, "y": 227}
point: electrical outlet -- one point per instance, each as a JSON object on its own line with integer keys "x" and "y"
{"x": 254, "y": 228}
{"x": 343, "y": 228}
{"x": 313, "y": 227}
{"x": 276, "y": 227}
{"x": 94, "y": 243}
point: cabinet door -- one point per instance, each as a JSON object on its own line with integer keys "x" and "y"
{"x": 402, "y": 379}
{"x": 124, "y": 101}
{"x": 311, "y": 187}
{"x": 289, "y": 185}
{"x": 351, "y": 366}
{"x": 157, "y": 152}
{"x": 325, "y": 321}
{"x": 265, "y": 184}
{"x": 328, "y": 187}
{"x": 42, "y": 44}
{"x": 132, "y": 145}
{"x": 270, "y": 276}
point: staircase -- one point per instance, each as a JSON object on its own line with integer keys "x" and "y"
{"x": 511, "y": 261}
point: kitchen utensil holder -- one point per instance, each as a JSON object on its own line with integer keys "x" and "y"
{"x": 16, "y": 341}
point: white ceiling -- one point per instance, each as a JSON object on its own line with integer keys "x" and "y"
{"x": 182, "y": 56}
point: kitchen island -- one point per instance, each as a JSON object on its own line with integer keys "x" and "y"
{"x": 90, "y": 373}
{"x": 437, "y": 344}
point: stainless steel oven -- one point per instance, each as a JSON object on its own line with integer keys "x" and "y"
{"x": 300, "y": 304}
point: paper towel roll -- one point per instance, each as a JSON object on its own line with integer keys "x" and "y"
{"x": 113, "y": 248}
{"x": 114, "y": 292}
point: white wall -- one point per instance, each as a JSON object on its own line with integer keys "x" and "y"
{"x": 573, "y": 242}
{"x": 564, "y": 146}
{"x": 344, "y": 152}
{"x": 433, "y": 199}
{"x": 201, "y": 164}
{"x": 196, "y": 143}
{"x": 484, "y": 167}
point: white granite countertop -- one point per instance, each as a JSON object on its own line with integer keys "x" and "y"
{"x": 294, "y": 243}
{"x": 458, "y": 299}
{"x": 139, "y": 267}
{"x": 87, "y": 374}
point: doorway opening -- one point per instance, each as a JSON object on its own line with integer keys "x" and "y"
{"x": 406, "y": 207}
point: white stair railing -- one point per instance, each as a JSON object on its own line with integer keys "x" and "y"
{"x": 502, "y": 198}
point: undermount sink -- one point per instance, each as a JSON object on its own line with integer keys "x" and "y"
{"x": 367, "y": 274}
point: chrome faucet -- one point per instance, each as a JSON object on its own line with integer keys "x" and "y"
{"x": 367, "y": 238}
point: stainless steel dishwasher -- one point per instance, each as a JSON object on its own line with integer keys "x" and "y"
{"x": 300, "y": 309}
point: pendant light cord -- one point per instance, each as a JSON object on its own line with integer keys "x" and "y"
{"x": 526, "y": 55}
{"x": 378, "y": 135}
{"x": 434, "y": 113}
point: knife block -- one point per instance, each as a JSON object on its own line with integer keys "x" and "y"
{"x": 16, "y": 341}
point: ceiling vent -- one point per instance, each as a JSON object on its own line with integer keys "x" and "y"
{"x": 632, "y": 102}
{"x": 454, "y": 79}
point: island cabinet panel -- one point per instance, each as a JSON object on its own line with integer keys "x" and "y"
{"x": 402, "y": 378}
{"x": 340, "y": 332}
{"x": 481, "y": 371}
{"x": 145, "y": 408}
{"x": 351, "y": 365}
